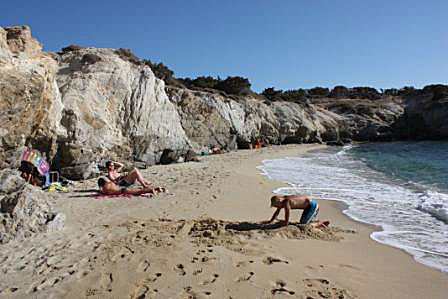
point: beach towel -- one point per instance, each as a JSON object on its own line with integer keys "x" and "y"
{"x": 56, "y": 187}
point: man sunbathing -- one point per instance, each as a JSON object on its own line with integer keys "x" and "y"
{"x": 110, "y": 188}
{"x": 291, "y": 202}
{"x": 124, "y": 179}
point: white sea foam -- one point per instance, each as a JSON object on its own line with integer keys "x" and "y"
{"x": 411, "y": 219}
{"x": 436, "y": 204}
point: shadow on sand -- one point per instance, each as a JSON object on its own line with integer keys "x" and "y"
{"x": 85, "y": 193}
{"x": 85, "y": 190}
{"x": 246, "y": 226}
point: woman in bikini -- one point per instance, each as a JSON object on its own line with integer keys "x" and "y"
{"x": 124, "y": 179}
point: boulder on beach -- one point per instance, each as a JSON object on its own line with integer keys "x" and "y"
{"x": 24, "y": 209}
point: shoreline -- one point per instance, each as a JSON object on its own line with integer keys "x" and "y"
{"x": 176, "y": 245}
{"x": 343, "y": 206}
{"x": 377, "y": 229}
{"x": 334, "y": 211}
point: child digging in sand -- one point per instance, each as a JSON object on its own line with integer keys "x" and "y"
{"x": 291, "y": 202}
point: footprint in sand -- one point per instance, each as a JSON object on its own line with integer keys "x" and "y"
{"x": 270, "y": 260}
{"x": 349, "y": 267}
{"x": 143, "y": 292}
{"x": 246, "y": 277}
{"x": 143, "y": 266}
{"x": 189, "y": 293}
{"x": 46, "y": 283}
{"x": 194, "y": 260}
{"x": 210, "y": 281}
{"x": 106, "y": 281}
{"x": 322, "y": 288}
{"x": 180, "y": 269}
{"x": 9, "y": 291}
{"x": 140, "y": 292}
{"x": 124, "y": 252}
{"x": 32, "y": 289}
{"x": 280, "y": 288}
{"x": 82, "y": 274}
{"x": 243, "y": 263}
{"x": 154, "y": 277}
{"x": 313, "y": 282}
{"x": 203, "y": 259}
{"x": 91, "y": 292}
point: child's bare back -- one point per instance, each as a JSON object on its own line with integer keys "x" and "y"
{"x": 297, "y": 201}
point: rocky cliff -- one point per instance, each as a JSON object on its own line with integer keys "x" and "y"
{"x": 29, "y": 96}
{"x": 213, "y": 119}
{"x": 80, "y": 106}
{"x": 425, "y": 115}
{"x": 84, "y": 105}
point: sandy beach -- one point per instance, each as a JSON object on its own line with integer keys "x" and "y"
{"x": 203, "y": 239}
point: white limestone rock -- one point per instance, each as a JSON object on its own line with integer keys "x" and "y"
{"x": 117, "y": 107}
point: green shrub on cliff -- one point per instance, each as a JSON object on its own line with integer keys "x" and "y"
{"x": 272, "y": 95}
{"x": 294, "y": 95}
{"x": 234, "y": 85}
{"x": 126, "y": 54}
{"x": 231, "y": 85}
{"x": 201, "y": 82}
{"x": 391, "y": 92}
{"x": 318, "y": 92}
{"x": 162, "y": 72}
{"x": 339, "y": 92}
{"x": 438, "y": 91}
{"x": 364, "y": 93}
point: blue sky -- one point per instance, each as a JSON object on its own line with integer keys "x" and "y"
{"x": 284, "y": 44}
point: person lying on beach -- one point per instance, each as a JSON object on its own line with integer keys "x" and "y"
{"x": 124, "y": 179}
{"x": 291, "y": 202}
{"x": 110, "y": 188}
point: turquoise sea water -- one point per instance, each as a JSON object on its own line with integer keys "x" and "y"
{"x": 400, "y": 186}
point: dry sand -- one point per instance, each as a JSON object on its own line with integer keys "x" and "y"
{"x": 203, "y": 239}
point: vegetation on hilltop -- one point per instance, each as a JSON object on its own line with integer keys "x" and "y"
{"x": 231, "y": 85}
{"x": 240, "y": 86}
